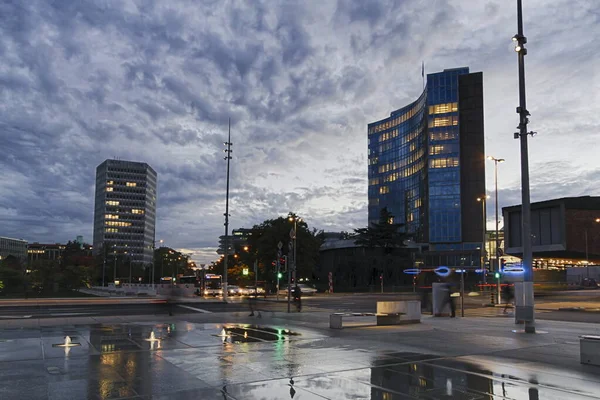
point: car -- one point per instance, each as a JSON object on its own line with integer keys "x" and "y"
{"x": 252, "y": 289}
{"x": 233, "y": 290}
{"x": 304, "y": 288}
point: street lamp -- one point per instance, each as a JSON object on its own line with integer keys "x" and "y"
{"x": 483, "y": 214}
{"x": 295, "y": 219}
{"x": 496, "y": 162}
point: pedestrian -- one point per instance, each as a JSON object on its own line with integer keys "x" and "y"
{"x": 297, "y": 293}
{"x": 508, "y": 296}
{"x": 448, "y": 299}
{"x": 252, "y": 299}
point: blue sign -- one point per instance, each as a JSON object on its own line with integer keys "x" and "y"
{"x": 443, "y": 271}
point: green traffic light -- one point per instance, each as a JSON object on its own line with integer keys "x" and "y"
{"x": 497, "y": 275}
{"x": 279, "y": 275}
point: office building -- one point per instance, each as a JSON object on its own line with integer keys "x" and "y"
{"x": 125, "y": 210}
{"x": 427, "y": 167}
{"x": 13, "y": 247}
{"x": 236, "y": 241}
{"x": 565, "y": 232}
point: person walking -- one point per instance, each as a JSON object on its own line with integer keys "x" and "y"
{"x": 508, "y": 296}
{"x": 448, "y": 299}
{"x": 252, "y": 300}
{"x": 297, "y": 293}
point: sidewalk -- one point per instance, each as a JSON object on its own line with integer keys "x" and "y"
{"x": 291, "y": 355}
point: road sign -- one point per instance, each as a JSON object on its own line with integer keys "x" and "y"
{"x": 245, "y": 271}
{"x": 290, "y": 246}
{"x": 279, "y": 245}
{"x": 292, "y": 234}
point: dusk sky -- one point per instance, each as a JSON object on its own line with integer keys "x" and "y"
{"x": 156, "y": 81}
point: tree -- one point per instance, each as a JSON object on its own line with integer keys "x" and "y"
{"x": 384, "y": 234}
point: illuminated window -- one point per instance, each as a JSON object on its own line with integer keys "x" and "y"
{"x": 112, "y": 230}
{"x": 384, "y": 190}
{"x": 373, "y": 181}
{"x": 112, "y": 203}
{"x": 109, "y": 189}
{"x": 443, "y": 121}
{"x": 443, "y": 162}
{"x": 136, "y": 211}
{"x": 443, "y": 108}
{"x": 110, "y": 182}
{"x": 131, "y": 184}
{"x": 442, "y": 136}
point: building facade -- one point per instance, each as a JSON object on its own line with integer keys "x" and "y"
{"x": 237, "y": 240}
{"x": 125, "y": 210}
{"x": 427, "y": 165}
{"x": 13, "y": 247}
{"x": 565, "y": 232}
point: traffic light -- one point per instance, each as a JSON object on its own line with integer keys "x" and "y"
{"x": 283, "y": 263}
{"x": 279, "y": 275}
{"x": 497, "y": 275}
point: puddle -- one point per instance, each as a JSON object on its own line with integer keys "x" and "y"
{"x": 255, "y": 333}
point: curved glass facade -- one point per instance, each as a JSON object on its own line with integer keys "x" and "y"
{"x": 397, "y": 166}
{"x": 415, "y": 162}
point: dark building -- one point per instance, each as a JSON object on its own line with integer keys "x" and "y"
{"x": 427, "y": 167}
{"x": 564, "y": 232}
{"x": 236, "y": 240}
{"x": 125, "y": 210}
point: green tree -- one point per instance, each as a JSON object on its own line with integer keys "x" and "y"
{"x": 384, "y": 234}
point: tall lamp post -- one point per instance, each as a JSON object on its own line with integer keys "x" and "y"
{"x": 484, "y": 222}
{"x": 524, "y": 310}
{"x": 226, "y": 260}
{"x": 496, "y": 162}
{"x": 295, "y": 220}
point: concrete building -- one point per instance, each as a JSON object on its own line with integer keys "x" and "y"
{"x": 565, "y": 232}
{"x": 13, "y": 247}
{"x": 427, "y": 167}
{"x": 236, "y": 240}
{"x": 125, "y": 210}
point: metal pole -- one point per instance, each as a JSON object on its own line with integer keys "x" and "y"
{"x": 226, "y": 260}
{"x": 289, "y": 287}
{"x": 497, "y": 232}
{"x": 103, "y": 268}
{"x": 525, "y": 312}
{"x": 462, "y": 292}
{"x": 483, "y": 209}
{"x": 587, "y": 259}
{"x": 295, "y": 247}
{"x": 130, "y": 271}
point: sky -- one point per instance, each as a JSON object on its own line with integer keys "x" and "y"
{"x": 157, "y": 81}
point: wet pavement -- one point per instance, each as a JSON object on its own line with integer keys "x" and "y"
{"x": 292, "y": 357}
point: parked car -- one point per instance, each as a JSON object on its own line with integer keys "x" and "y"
{"x": 248, "y": 290}
{"x": 304, "y": 288}
{"x": 589, "y": 283}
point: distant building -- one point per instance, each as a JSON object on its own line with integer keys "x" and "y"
{"x": 13, "y": 247}
{"x": 125, "y": 210}
{"x": 564, "y": 232}
{"x": 236, "y": 240}
{"x": 54, "y": 251}
{"x": 427, "y": 167}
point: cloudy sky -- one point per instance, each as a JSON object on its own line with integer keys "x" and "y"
{"x": 156, "y": 81}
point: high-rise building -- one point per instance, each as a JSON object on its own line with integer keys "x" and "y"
{"x": 427, "y": 164}
{"x": 125, "y": 210}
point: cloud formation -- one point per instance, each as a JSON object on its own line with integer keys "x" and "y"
{"x": 154, "y": 81}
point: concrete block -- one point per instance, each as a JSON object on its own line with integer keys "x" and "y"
{"x": 589, "y": 347}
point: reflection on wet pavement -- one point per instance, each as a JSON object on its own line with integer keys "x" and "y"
{"x": 187, "y": 360}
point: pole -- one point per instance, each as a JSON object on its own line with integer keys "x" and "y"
{"x": 115, "y": 268}
{"x": 497, "y": 231}
{"x": 587, "y": 259}
{"x": 289, "y": 287}
{"x": 295, "y": 247}
{"x": 525, "y": 312}
{"x": 103, "y": 269}
{"x": 226, "y": 260}
{"x": 483, "y": 209}
{"x": 462, "y": 286}
{"x": 130, "y": 271}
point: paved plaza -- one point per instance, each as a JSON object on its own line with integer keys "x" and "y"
{"x": 290, "y": 356}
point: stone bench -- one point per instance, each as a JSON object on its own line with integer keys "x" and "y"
{"x": 589, "y": 347}
{"x": 398, "y": 312}
{"x": 336, "y": 320}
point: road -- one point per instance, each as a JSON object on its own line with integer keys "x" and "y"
{"x": 547, "y": 307}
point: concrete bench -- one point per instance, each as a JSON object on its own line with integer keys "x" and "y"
{"x": 336, "y": 321}
{"x": 398, "y": 312}
{"x": 589, "y": 347}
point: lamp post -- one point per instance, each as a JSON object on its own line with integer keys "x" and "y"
{"x": 483, "y": 214}
{"x": 524, "y": 310}
{"x": 226, "y": 260}
{"x": 496, "y": 162}
{"x": 295, "y": 220}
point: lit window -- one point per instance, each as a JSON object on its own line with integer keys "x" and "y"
{"x": 109, "y": 189}
{"x": 131, "y": 184}
{"x": 443, "y": 162}
{"x": 136, "y": 211}
{"x": 109, "y": 182}
{"x": 384, "y": 189}
{"x": 112, "y": 203}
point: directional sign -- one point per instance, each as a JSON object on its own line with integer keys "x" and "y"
{"x": 292, "y": 233}
{"x": 245, "y": 271}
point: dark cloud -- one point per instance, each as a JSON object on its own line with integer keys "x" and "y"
{"x": 154, "y": 81}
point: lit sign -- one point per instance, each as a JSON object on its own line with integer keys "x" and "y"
{"x": 442, "y": 271}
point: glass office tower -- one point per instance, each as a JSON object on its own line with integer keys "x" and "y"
{"x": 427, "y": 164}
